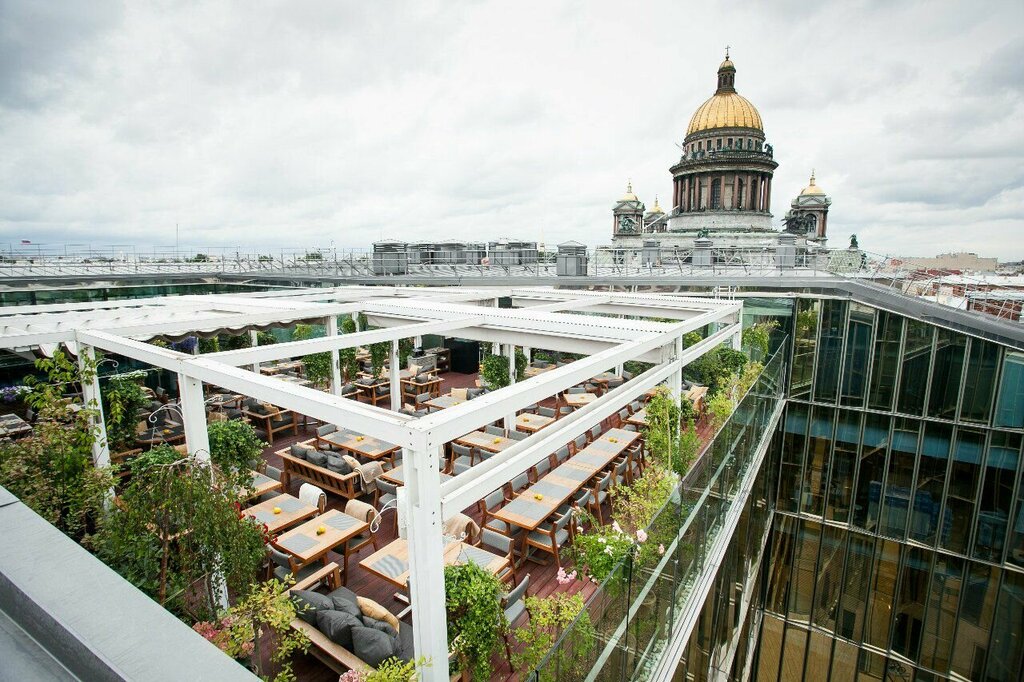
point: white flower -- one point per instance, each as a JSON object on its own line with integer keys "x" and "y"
{"x": 661, "y": 550}
{"x": 609, "y": 551}
{"x": 641, "y": 535}
{"x": 616, "y": 527}
{"x": 579, "y": 529}
{"x": 602, "y": 540}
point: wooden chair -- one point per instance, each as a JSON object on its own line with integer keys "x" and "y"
{"x": 513, "y": 606}
{"x": 549, "y": 538}
{"x": 488, "y": 505}
{"x": 463, "y": 458}
{"x": 600, "y": 495}
{"x": 381, "y": 393}
{"x": 363, "y": 512}
{"x": 500, "y": 544}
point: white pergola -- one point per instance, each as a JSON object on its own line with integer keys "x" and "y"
{"x": 609, "y": 328}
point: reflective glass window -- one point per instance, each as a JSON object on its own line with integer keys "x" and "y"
{"x": 805, "y": 343}
{"x": 801, "y": 589}
{"x": 859, "y": 555}
{"x": 819, "y": 446}
{"x": 886, "y": 360}
{"x": 1015, "y": 543}
{"x": 871, "y": 472}
{"x": 949, "y": 363}
{"x": 793, "y": 443}
{"x": 844, "y": 466}
{"x": 794, "y": 650}
{"x": 819, "y": 651}
{"x": 1007, "y": 660}
{"x": 833, "y": 325}
{"x": 980, "y": 381}
{"x": 900, "y": 478}
{"x": 883, "y": 588}
{"x": 769, "y": 649}
{"x": 783, "y": 544}
{"x": 917, "y": 356}
{"x": 941, "y": 612}
{"x": 963, "y": 489}
{"x": 870, "y": 666}
{"x": 844, "y": 662}
{"x": 1010, "y": 401}
{"x": 931, "y": 480}
{"x": 829, "y": 577}
{"x": 977, "y": 607}
{"x": 996, "y": 497}
{"x": 858, "y": 349}
{"x": 909, "y": 607}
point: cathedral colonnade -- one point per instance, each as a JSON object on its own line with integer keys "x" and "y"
{"x": 723, "y": 191}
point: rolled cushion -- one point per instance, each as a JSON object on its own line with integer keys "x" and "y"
{"x": 372, "y": 646}
{"x": 460, "y": 393}
{"x": 317, "y": 458}
{"x": 326, "y": 429}
{"x": 380, "y": 625}
{"x": 338, "y": 626}
{"x": 300, "y": 451}
{"x": 269, "y": 409}
{"x": 377, "y": 612}
{"x": 337, "y": 464}
{"x": 309, "y": 603}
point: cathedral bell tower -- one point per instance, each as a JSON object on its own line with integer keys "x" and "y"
{"x": 628, "y": 215}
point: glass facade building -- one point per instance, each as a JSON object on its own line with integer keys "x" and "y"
{"x": 897, "y": 545}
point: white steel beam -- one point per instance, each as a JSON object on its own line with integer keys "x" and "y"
{"x": 332, "y": 330}
{"x": 558, "y": 306}
{"x": 193, "y": 414}
{"x": 93, "y": 399}
{"x": 395, "y": 377}
{"x": 294, "y": 349}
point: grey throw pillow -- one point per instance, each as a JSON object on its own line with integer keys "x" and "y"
{"x": 337, "y": 625}
{"x": 298, "y": 451}
{"x": 309, "y": 603}
{"x": 317, "y": 458}
{"x": 380, "y": 625}
{"x": 372, "y": 646}
{"x": 346, "y": 606}
{"x": 337, "y": 464}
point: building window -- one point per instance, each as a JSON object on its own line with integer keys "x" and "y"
{"x": 716, "y": 193}
{"x": 719, "y": 143}
{"x": 729, "y": 143}
{"x": 750, "y": 144}
{"x": 739, "y": 195}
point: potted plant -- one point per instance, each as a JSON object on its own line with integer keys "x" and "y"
{"x": 476, "y": 621}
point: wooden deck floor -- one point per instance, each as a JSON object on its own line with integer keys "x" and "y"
{"x": 542, "y": 578}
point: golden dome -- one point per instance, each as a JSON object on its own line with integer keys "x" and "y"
{"x": 812, "y": 189}
{"x": 657, "y": 207}
{"x": 726, "y": 110}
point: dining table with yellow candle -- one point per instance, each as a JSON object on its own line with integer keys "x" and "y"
{"x": 277, "y": 510}
{"x": 320, "y": 530}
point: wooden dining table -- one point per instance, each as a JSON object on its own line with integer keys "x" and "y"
{"x": 579, "y": 399}
{"x": 306, "y": 545}
{"x": 263, "y": 484}
{"x": 535, "y": 504}
{"x": 604, "y": 377}
{"x": 638, "y": 418}
{"x": 391, "y": 562}
{"x": 360, "y": 445}
{"x": 443, "y": 402}
{"x": 485, "y": 441}
{"x": 532, "y": 423}
{"x": 532, "y": 371}
{"x": 292, "y": 511}
{"x": 290, "y": 366}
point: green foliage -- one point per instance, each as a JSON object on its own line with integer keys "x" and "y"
{"x": 51, "y": 469}
{"x": 475, "y": 616}
{"x": 757, "y": 337}
{"x": 394, "y": 670}
{"x": 405, "y": 348}
{"x": 210, "y": 345}
{"x": 495, "y": 372}
{"x": 668, "y": 444}
{"x": 520, "y": 364}
{"x": 379, "y": 353}
{"x": 161, "y": 455}
{"x": 635, "y": 367}
{"x": 318, "y": 365}
{"x": 720, "y": 406}
{"x": 691, "y": 339}
{"x": 549, "y": 617}
{"x": 124, "y": 399}
{"x": 235, "y": 449}
{"x": 347, "y": 356}
{"x": 348, "y": 325}
{"x": 235, "y": 341}
{"x": 714, "y": 367}
{"x": 175, "y": 527}
{"x": 634, "y": 505}
{"x": 689, "y": 448}
{"x": 807, "y": 323}
{"x": 600, "y": 549}
{"x": 265, "y": 338}
{"x": 268, "y": 606}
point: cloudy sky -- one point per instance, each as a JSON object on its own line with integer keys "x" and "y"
{"x": 299, "y": 124}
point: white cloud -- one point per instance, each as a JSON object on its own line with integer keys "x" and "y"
{"x": 293, "y": 125}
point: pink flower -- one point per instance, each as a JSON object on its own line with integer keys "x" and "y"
{"x": 564, "y": 578}
{"x": 641, "y": 535}
{"x": 352, "y": 676}
{"x": 661, "y": 550}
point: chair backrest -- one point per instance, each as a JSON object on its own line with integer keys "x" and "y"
{"x": 564, "y": 410}
{"x": 543, "y": 467}
{"x": 615, "y": 383}
{"x": 326, "y": 429}
{"x": 602, "y": 483}
{"x": 273, "y": 472}
{"x": 473, "y": 393}
{"x": 562, "y": 454}
{"x": 502, "y": 543}
{"x": 627, "y": 375}
{"x": 462, "y": 450}
{"x": 383, "y": 389}
{"x": 360, "y": 510}
{"x": 576, "y": 390}
{"x": 635, "y": 406}
{"x": 629, "y": 427}
{"x": 520, "y": 481}
{"x": 386, "y": 488}
{"x": 620, "y": 468}
{"x": 595, "y": 432}
{"x": 518, "y": 592}
{"x": 422, "y": 398}
{"x": 313, "y": 495}
{"x": 581, "y": 441}
{"x": 518, "y": 435}
{"x": 562, "y": 522}
{"x": 494, "y": 430}
{"x": 279, "y": 558}
{"x": 546, "y": 412}
{"x": 493, "y": 500}
{"x": 583, "y": 497}
{"x": 623, "y": 414}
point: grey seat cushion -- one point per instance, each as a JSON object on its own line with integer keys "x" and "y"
{"x": 545, "y": 539}
{"x": 300, "y": 451}
{"x": 317, "y": 458}
{"x": 342, "y": 596}
{"x": 380, "y": 625}
{"x": 338, "y": 626}
{"x": 337, "y": 464}
{"x": 405, "y": 651}
{"x": 309, "y": 603}
{"x": 373, "y": 646}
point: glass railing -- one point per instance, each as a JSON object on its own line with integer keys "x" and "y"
{"x": 631, "y": 617}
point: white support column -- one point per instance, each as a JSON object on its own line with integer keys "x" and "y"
{"x": 528, "y": 352}
{"x": 510, "y": 352}
{"x": 737, "y": 339}
{"x": 254, "y": 341}
{"x": 675, "y": 382}
{"x": 417, "y": 342}
{"x": 422, "y": 517}
{"x": 332, "y": 330}
{"x": 193, "y": 413}
{"x": 396, "y": 380}
{"x": 94, "y": 400}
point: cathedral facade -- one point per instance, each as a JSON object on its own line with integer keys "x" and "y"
{"x": 722, "y": 184}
